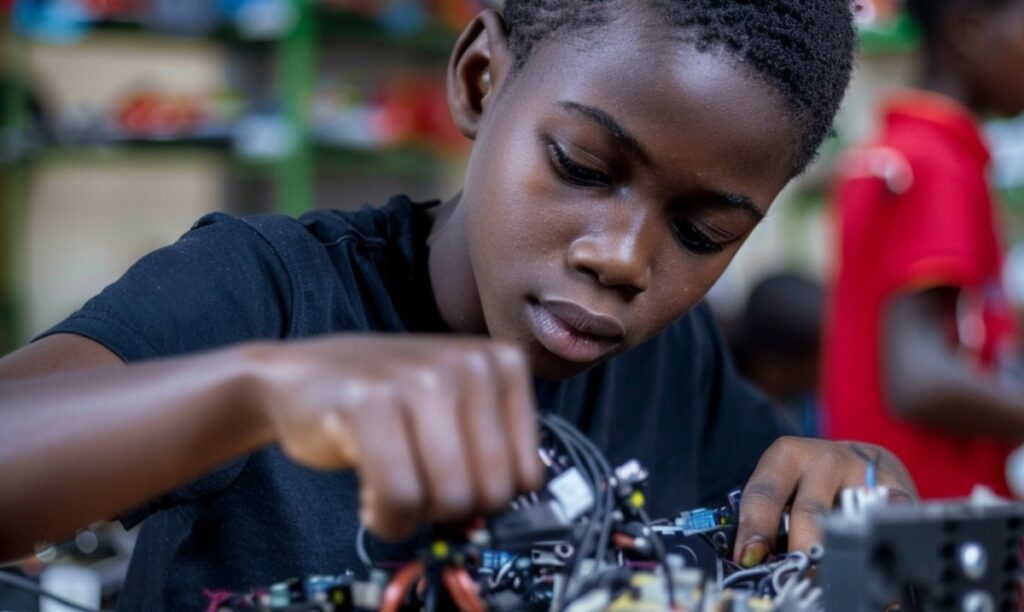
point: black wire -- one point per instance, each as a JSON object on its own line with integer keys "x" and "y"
{"x": 590, "y": 463}
{"x": 433, "y": 590}
{"x": 608, "y": 475}
{"x": 584, "y": 468}
{"x": 659, "y": 549}
{"x": 25, "y": 584}
{"x": 589, "y": 451}
{"x": 569, "y": 438}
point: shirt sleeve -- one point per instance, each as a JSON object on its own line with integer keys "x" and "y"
{"x": 740, "y": 425}
{"x": 219, "y": 284}
{"x": 930, "y": 232}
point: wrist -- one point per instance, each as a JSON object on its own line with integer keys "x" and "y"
{"x": 248, "y": 392}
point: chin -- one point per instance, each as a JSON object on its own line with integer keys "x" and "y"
{"x": 549, "y": 367}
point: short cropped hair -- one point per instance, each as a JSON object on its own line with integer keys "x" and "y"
{"x": 801, "y": 48}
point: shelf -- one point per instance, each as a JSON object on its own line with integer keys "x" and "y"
{"x": 226, "y": 34}
{"x": 898, "y": 35}
{"x": 406, "y": 160}
{"x": 292, "y": 60}
{"x": 431, "y": 39}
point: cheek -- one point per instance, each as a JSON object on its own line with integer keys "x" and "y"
{"x": 518, "y": 208}
{"x": 679, "y": 281}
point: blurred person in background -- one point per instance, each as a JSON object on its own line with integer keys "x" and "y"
{"x": 921, "y": 345}
{"x": 777, "y": 342}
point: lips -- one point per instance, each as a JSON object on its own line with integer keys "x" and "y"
{"x": 573, "y": 332}
{"x": 585, "y": 321}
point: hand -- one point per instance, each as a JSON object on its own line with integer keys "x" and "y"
{"x": 807, "y": 475}
{"x": 436, "y": 429}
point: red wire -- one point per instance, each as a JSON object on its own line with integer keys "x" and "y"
{"x": 622, "y": 540}
{"x": 396, "y": 590}
{"x": 463, "y": 589}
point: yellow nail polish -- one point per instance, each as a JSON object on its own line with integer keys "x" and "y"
{"x": 753, "y": 554}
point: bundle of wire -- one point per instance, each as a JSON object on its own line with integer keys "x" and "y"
{"x": 593, "y": 564}
{"x": 593, "y": 548}
{"x": 785, "y": 580}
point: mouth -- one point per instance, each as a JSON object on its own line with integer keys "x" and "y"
{"x": 573, "y": 332}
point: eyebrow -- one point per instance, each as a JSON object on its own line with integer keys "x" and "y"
{"x": 739, "y": 202}
{"x": 613, "y": 127}
{"x": 621, "y": 134}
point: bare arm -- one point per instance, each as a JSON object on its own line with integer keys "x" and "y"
{"x": 83, "y": 437}
{"x": 436, "y": 428}
{"x": 929, "y": 384}
{"x": 56, "y": 353}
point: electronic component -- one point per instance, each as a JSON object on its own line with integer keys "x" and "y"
{"x": 584, "y": 543}
{"x": 963, "y": 555}
{"x": 703, "y": 520}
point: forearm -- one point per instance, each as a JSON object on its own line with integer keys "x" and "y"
{"x": 963, "y": 402}
{"x": 83, "y": 446}
{"x": 928, "y": 383}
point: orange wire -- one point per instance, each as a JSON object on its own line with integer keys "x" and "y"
{"x": 396, "y": 590}
{"x": 463, "y": 589}
{"x": 622, "y": 540}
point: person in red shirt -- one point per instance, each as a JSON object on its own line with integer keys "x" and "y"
{"x": 921, "y": 344}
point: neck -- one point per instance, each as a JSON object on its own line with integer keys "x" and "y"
{"x": 451, "y": 271}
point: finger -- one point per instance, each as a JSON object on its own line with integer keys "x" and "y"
{"x": 519, "y": 415}
{"x": 815, "y": 497}
{"x": 392, "y": 497}
{"x": 762, "y": 504}
{"x": 489, "y": 451}
{"x": 897, "y": 492}
{"x": 431, "y": 408}
{"x": 894, "y": 475}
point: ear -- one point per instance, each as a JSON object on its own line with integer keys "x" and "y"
{"x": 479, "y": 65}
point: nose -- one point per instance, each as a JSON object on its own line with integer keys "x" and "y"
{"x": 618, "y": 253}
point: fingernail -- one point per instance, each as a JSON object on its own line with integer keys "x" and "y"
{"x": 753, "y": 553}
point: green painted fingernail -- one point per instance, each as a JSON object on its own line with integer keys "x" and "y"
{"x": 753, "y": 553}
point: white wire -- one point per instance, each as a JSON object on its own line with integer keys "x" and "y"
{"x": 364, "y": 556}
{"x": 27, "y": 585}
{"x": 496, "y": 580}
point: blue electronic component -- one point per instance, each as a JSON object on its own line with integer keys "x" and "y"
{"x": 702, "y": 520}
{"x": 494, "y": 560}
{"x": 695, "y": 521}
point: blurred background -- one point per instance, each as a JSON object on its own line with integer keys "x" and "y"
{"x": 123, "y": 121}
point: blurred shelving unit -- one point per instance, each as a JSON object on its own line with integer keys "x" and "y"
{"x": 13, "y": 119}
{"x": 288, "y": 134}
{"x": 896, "y": 34}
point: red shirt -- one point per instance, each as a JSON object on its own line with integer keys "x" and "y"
{"x": 915, "y": 211}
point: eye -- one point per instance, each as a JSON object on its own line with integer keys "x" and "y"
{"x": 574, "y": 173}
{"x": 691, "y": 237}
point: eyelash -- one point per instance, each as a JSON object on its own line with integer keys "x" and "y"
{"x": 695, "y": 240}
{"x": 577, "y": 175}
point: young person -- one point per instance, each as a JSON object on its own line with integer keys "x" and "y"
{"x": 920, "y": 251}
{"x": 622, "y": 153}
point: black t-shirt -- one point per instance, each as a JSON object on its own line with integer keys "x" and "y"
{"x": 675, "y": 403}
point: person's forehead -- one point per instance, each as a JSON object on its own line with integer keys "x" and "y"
{"x": 676, "y": 100}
